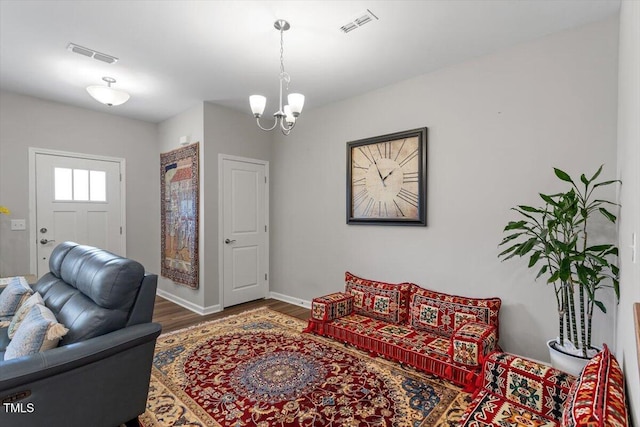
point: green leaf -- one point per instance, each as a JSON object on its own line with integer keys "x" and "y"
{"x": 611, "y": 217}
{"x": 554, "y": 277}
{"x": 530, "y": 209}
{"x": 534, "y": 258}
{"x": 598, "y": 248}
{"x": 600, "y": 184}
{"x": 506, "y": 251}
{"x": 548, "y": 199}
{"x": 600, "y": 306}
{"x": 542, "y": 271}
{"x": 584, "y": 179}
{"x": 511, "y": 237}
{"x": 562, "y": 175}
{"x": 595, "y": 175}
{"x": 515, "y": 225}
{"x": 527, "y": 246}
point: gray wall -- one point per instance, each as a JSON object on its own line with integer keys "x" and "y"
{"x": 497, "y": 126}
{"x": 629, "y": 173}
{"x": 31, "y": 122}
{"x": 189, "y": 124}
{"x": 219, "y": 130}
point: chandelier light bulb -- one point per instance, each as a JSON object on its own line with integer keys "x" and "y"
{"x": 257, "y": 102}
{"x": 296, "y": 102}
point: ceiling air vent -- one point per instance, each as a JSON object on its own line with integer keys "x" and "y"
{"x": 363, "y": 18}
{"x": 72, "y": 47}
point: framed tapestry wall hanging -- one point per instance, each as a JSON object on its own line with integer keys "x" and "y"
{"x": 179, "y": 211}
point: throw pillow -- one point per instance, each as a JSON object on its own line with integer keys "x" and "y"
{"x": 22, "y": 313}
{"x": 16, "y": 292}
{"x": 444, "y": 314}
{"x": 597, "y": 397}
{"x": 38, "y": 331}
{"x": 383, "y": 301}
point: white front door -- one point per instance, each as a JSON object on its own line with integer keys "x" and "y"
{"x": 77, "y": 199}
{"x": 245, "y": 242}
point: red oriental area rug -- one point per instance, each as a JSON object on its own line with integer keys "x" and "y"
{"x": 258, "y": 369}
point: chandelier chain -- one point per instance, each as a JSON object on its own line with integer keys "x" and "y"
{"x": 283, "y": 74}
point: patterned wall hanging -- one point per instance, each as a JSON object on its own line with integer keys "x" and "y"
{"x": 179, "y": 192}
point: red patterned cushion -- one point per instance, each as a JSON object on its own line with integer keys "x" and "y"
{"x": 472, "y": 343}
{"x": 526, "y": 383}
{"x": 384, "y": 301}
{"x": 597, "y": 398}
{"x": 331, "y": 306}
{"x": 443, "y": 314}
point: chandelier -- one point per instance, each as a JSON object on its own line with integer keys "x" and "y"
{"x": 286, "y": 116}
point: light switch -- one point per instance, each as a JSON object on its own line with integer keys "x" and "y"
{"x": 18, "y": 224}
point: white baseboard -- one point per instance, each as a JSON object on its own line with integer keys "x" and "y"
{"x": 198, "y": 309}
{"x": 290, "y": 300}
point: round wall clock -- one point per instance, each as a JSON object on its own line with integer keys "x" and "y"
{"x": 386, "y": 182}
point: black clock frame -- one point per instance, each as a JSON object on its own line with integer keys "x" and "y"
{"x": 421, "y": 221}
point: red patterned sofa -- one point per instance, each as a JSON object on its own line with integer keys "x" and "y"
{"x": 520, "y": 392}
{"x": 446, "y": 335}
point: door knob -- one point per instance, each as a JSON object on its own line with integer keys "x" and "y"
{"x": 227, "y": 241}
{"x": 45, "y": 241}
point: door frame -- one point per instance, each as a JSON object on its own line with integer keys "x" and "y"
{"x": 265, "y": 163}
{"x": 33, "y": 235}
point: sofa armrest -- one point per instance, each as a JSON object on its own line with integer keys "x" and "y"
{"x": 332, "y": 306}
{"x": 327, "y": 308}
{"x": 28, "y": 369}
{"x": 472, "y": 342}
{"x": 527, "y": 383}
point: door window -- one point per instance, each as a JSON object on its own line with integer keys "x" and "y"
{"x": 79, "y": 185}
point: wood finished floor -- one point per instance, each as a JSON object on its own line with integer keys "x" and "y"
{"x": 172, "y": 316}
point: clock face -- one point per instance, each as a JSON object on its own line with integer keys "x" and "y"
{"x": 386, "y": 180}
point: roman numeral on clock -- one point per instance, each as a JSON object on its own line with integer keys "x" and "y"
{"x": 409, "y": 177}
{"x": 409, "y": 197}
{"x": 409, "y": 157}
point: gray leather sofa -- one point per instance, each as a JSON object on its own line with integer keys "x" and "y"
{"x": 99, "y": 374}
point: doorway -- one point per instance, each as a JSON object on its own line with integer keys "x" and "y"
{"x": 76, "y": 197}
{"x": 243, "y": 229}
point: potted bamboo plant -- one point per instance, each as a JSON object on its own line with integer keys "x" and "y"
{"x": 556, "y": 240}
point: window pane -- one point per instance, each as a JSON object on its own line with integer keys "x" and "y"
{"x": 98, "y": 186}
{"x": 80, "y": 184}
{"x": 62, "y": 184}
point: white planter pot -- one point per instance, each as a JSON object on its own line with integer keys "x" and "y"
{"x": 566, "y": 362}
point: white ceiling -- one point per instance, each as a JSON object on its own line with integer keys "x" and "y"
{"x": 174, "y": 54}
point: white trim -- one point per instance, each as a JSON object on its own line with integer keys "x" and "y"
{"x": 202, "y": 311}
{"x": 221, "y": 158}
{"x": 291, "y": 300}
{"x": 33, "y": 151}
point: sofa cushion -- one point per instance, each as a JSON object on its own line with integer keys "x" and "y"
{"x": 526, "y": 383}
{"x": 443, "y": 314}
{"x": 16, "y": 292}
{"x": 384, "y": 301}
{"x": 22, "y": 313}
{"x": 597, "y": 398}
{"x": 38, "y": 331}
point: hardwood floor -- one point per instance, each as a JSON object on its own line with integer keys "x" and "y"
{"x": 172, "y": 316}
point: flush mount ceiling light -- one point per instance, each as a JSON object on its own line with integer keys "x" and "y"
{"x": 286, "y": 116}
{"x": 106, "y": 94}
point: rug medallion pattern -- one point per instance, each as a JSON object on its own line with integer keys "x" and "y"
{"x": 257, "y": 369}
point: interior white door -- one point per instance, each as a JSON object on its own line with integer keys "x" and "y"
{"x": 77, "y": 199}
{"x": 245, "y": 249}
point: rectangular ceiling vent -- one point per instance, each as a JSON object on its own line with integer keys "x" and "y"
{"x": 363, "y": 18}
{"x": 72, "y": 47}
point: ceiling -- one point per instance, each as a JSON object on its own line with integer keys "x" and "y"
{"x": 174, "y": 54}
